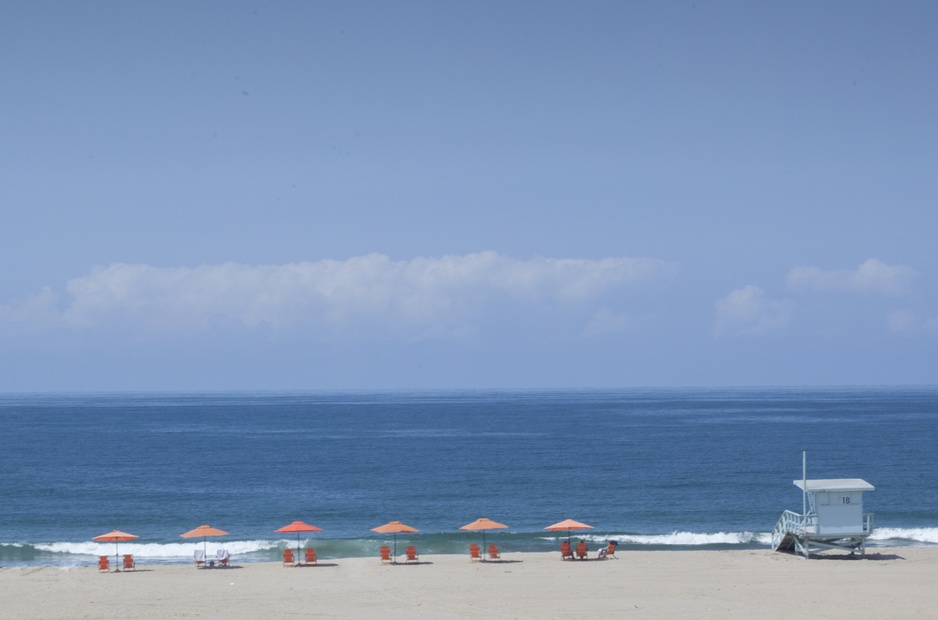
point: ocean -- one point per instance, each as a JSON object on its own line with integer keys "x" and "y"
{"x": 650, "y": 468}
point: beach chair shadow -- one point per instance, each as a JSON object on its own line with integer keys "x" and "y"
{"x": 317, "y": 565}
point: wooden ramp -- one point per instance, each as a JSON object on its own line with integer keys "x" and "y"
{"x": 785, "y": 543}
{"x": 785, "y": 534}
{"x": 797, "y": 533}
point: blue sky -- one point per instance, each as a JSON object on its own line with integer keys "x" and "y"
{"x": 312, "y": 195}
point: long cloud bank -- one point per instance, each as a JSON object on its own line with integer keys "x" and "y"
{"x": 429, "y": 295}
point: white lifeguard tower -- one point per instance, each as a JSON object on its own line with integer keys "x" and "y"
{"x": 832, "y": 518}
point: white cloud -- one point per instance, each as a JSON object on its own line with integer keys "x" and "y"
{"x": 747, "y": 312}
{"x": 421, "y": 296}
{"x": 871, "y": 276}
{"x": 605, "y": 322}
{"x": 36, "y": 312}
{"x": 908, "y": 323}
{"x": 902, "y": 321}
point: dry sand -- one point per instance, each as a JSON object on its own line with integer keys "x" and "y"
{"x": 642, "y": 584}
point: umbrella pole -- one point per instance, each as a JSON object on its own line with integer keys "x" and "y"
{"x": 117, "y": 556}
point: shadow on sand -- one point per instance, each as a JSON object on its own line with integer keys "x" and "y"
{"x": 849, "y": 557}
{"x": 418, "y": 563}
{"x": 875, "y": 557}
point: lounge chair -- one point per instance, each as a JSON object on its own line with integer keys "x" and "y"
{"x": 474, "y": 552}
{"x": 223, "y": 557}
{"x": 581, "y": 550}
{"x": 611, "y": 550}
{"x": 199, "y": 557}
{"x": 287, "y": 557}
{"x": 310, "y": 555}
{"x": 103, "y": 563}
{"x": 412, "y": 554}
{"x": 386, "y": 554}
{"x": 565, "y": 551}
{"x": 493, "y": 553}
{"x": 129, "y": 563}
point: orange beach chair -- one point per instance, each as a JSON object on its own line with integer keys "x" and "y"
{"x": 103, "y": 564}
{"x": 565, "y": 551}
{"x": 412, "y": 554}
{"x": 493, "y": 553}
{"x": 310, "y": 555}
{"x": 386, "y": 554}
{"x": 129, "y": 563}
{"x": 288, "y": 557}
{"x": 474, "y": 552}
{"x": 581, "y": 550}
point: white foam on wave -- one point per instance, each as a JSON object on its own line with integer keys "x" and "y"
{"x": 915, "y": 534}
{"x": 695, "y": 539}
{"x": 156, "y": 550}
{"x": 684, "y": 539}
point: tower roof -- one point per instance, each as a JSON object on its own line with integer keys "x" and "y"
{"x": 836, "y": 484}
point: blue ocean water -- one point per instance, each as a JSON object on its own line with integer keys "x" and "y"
{"x": 652, "y": 468}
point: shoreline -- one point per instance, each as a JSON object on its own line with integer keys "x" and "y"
{"x": 255, "y": 557}
{"x": 17, "y": 555}
{"x": 894, "y": 582}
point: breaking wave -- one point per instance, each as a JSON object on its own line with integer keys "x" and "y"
{"x": 67, "y": 554}
{"x": 155, "y": 550}
{"x": 901, "y": 536}
{"x": 680, "y": 539}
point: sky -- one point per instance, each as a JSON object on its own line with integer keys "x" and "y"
{"x": 208, "y": 195}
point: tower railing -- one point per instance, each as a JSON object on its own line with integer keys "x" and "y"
{"x": 790, "y": 523}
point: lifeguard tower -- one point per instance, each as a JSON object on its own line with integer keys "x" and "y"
{"x": 832, "y": 518}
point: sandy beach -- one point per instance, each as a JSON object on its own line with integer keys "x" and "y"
{"x": 649, "y": 584}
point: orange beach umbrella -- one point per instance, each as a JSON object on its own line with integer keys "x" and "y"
{"x": 483, "y": 524}
{"x": 298, "y": 526}
{"x": 393, "y": 527}
{"x": 204, "y": 531}
{"x": 115, "y": 536}
{"x": 568, "y": 524}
